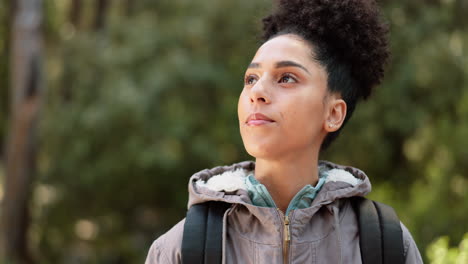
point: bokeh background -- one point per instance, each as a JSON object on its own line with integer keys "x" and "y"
{"x": 107, "y": 107}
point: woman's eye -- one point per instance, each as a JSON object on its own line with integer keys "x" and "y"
{"x": 250, "y": 80}
{"x": 287, "y": 79}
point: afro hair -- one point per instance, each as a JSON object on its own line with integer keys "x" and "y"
{"x": 347, "y": 37}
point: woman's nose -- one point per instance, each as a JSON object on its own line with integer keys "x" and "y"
{"x": 259, "y": 94}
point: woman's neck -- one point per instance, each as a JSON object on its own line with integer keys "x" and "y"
{"x": 286, "y": 177}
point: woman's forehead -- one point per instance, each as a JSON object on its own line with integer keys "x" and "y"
{"x": 285, "y": 47}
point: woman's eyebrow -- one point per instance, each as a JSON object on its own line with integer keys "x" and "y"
{"x": 279, "y": 64}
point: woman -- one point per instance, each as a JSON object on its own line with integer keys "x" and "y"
{"x": 319, "y": 58}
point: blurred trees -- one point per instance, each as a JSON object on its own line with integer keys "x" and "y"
{"x": 134, "y": 108}
{"x": 417, "y": 123}
{"x": 439, "y": 251}
{"x": 141, "y": 94}
{"x": 5, "y": 26}
{"x": 26, "y": 98}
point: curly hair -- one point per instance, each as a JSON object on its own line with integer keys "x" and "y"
{"x": 348, "y": 38}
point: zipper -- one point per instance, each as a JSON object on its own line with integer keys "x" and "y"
{"x": 286, "y": 237}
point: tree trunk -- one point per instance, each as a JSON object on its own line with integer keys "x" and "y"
{"x": 129, "y": 7}
{"x": 26, "y": 97}
{"x": 6, "y": 21}
{"x": 75, "y": 13}
{"x": 100, "y": 15}
{"x": 461, "y": 8}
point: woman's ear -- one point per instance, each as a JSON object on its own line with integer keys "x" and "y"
{"x": 336, "y": 114}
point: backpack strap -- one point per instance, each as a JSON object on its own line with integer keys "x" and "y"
{"x": 392, "y": 244}
{"x": 380, "y": 234}
{"x": 203, "y": 233}
{"x": 370, "y": 237}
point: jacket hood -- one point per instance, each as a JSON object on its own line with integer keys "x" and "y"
{"x": 226, "y": 184}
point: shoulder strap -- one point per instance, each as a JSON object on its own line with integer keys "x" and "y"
{"x": 380, "y": 234}
{"x": 203, "y": 233}
{"x": 392, "y": 244}
{"x": 370, "y": 237}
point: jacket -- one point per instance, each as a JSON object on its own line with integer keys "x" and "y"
{"x": 325, "y": 232}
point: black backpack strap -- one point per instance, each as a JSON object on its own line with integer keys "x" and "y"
{"x": 370, "y": 238}
{"x": 194, "y": 237}
{"x": 380, "y": 234}
{"x": 203, "y": 233}
{"x": 392, "y": 244}
{"x": 214, "y": 233}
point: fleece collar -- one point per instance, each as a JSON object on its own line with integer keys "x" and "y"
{"x": 230, "y": 181}
{"x": 228, "y": 184}
{"x": 238, "y": 179}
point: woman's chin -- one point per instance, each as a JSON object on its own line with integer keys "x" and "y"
{"x": 262, "y": 151}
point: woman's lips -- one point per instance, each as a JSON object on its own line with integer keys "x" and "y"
{"x": 258, "y": 119}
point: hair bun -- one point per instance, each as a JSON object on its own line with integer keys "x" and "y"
{"x": 351, "y": 30}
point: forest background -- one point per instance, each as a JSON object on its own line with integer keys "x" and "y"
{"x": 108, "y": 107}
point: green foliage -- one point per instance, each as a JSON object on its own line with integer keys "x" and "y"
{"x": 410, "y": 137}
{"x": 134, "y": 109}
{"x": 132, "y": 112}
{"x": 439, "y": 251}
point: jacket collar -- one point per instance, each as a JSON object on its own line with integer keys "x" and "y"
{"x": 224, "y": 183}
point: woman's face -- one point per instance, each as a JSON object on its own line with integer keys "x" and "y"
{"x": 284, "y": 106}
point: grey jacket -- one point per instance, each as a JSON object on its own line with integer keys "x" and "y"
{"x": 325, "y": 232}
